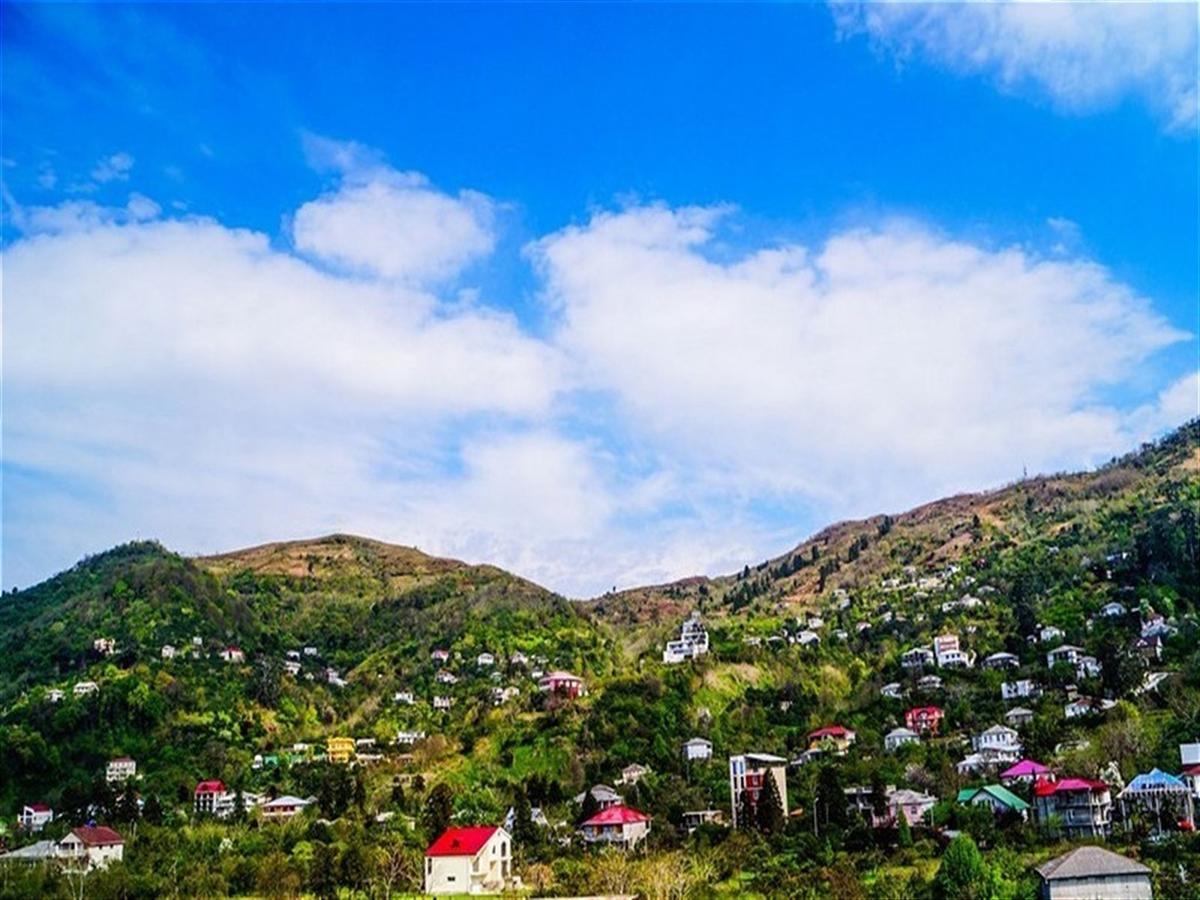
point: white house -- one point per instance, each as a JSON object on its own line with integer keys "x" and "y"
{"x": 633, "y": 773}
{"x": 1013, "y": 690}
{"x": 998, "y": 739}
{"x": 1111, "y": 610}
{"x": 697, "y": 749}
{"x": 444, "y": 676}
{"x": 808, "y": 638}
{"x": 485, "y": 660}
{"x": 898, "y": 737}
{"x": 892, "y": 690}
{"x": 619, "y": 825}
{"x": 443, "y": 703}
{"x": 233, "y": 655}
{"x": 404, "y": 697}
{"x": 168, "y": 651}
{"x": 120, "y": 769}
{"x": 1066, "y": 653}
{"x": 104, "y": 646}
{"x": 470, "y": 860}
{"x": 1087, "y": 667}
{"x": 292, "y": 667}
{"x": 501, "y": 695}
{"x": 91, "y": 847}
{"x": 54, "y": 695}
{"x": 1001, "y": 660}
{"x": 1087, "y": 706}
{"x": 1018, "y": 716}
{"x": 84, "y": 688}
{"x": 409, "y": 737}
{"x": 1049, "y": 633}
{"x": 929, "y": 683}
{"x": 311, "y": 651}
{"x": 35, "y": 816}
{"x": 916, "y": 658}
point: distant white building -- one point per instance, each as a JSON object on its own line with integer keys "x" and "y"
{"x": 35, "y": 816}
{"x": 999, "y": 739}
{"x": 120, "y": 769}
{"x": 485, "y": 660}
{"x": 1013, "y": 690}
{"x": 84, "y": 688}
{"x": 808, "y": 638}
{"x": 409, "y": 737}
{"x": 168, "y": 651}
{"x": 1001, "y": 660}
{"x": 691, "y": 643}
{"x": 892, "y": 690}
{"x": 54, "y": 695}
{"x": 1087, "y": 706}
{"x": 1113, "y": 609}
{"x": 104, "y": 646}
{"x": 898, "y": 737}
{"x": 697, "y": 749}
{"x": 1049, "y": 633}
{"x": 233, "y": 655}
{"x": 1066, "y": 653}
{"x": 443, "y": 703}
{"x": 917, "y": 657}
{"x": 405, "y": 698}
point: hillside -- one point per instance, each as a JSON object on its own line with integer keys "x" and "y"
{"x": 337, "y": 638}
{"x": 1095, "y": 509}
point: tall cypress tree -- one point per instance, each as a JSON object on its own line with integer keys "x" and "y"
{"x": 769, "y": 813}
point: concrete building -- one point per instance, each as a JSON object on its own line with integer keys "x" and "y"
{"x": 747, "y": 775}
{"x": 1093, "y": 873}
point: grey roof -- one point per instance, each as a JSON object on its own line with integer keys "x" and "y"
{"x": 1089, "y": 862}
{"x": 32, "y": 853}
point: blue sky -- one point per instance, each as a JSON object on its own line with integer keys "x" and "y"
{"x": 603, "y": 294}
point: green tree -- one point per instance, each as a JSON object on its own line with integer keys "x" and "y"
{"x": 524, "y": 833}
{"x": 769, "y": 814}
{"x": 323, "y": 873}
{"x": 439, "y": 807}
{"x": 903, "y": 831}
{"x": 962, "y": 874}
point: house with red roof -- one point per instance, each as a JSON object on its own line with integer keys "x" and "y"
{"x": 1083, "y": 807}
{"x": 210, "y": 797}
{"x": 619, "y": 825}
{"x": 563, "y": 683}
{"x": 35, "y": 816}
{"x": 469, "y": 860}
{"x": 924, "y": 719}
{"x": 91, "y": 847}
{"x": 835, "y": 739}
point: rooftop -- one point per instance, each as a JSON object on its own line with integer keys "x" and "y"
{"x": 461, "y": 841}
{"x": 1089, "y": 862}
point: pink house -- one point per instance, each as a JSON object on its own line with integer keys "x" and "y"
{"x": 1027, "y": 771}
{"x": 563, "y": 683}
{"x": 924, "y": 719}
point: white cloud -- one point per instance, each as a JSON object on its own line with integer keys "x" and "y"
{"x": 113, "y": 168}
{"x": 1082, "y": 56}
{"x": 179, "y": 379}
{"x": 390, "y": 224}
{"x": 886, "y": 367}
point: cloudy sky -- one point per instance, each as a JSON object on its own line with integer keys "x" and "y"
{"x": 604, "y": 295}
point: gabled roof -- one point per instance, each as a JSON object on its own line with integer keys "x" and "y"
{"x": 462, "y": 841}
{"x": 1156, "y": 781}
{"x": 618, "y": 815}
{"x": 1001, "y": 793}
{"x": 925, "y": 710}
{"x": 1089, "y": 862}
{"x": 37, "y": 807}
{"x": 97, "y": 835}
{"x": 830, "y": 731}
{"x": 286, "y": 801}
{"x": 1025, "y": 767}
{"x": 211, "y": 787}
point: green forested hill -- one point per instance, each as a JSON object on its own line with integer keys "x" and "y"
{"x": 991, "y": 568}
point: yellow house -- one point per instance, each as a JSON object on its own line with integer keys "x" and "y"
{"x": 339, "y": 749}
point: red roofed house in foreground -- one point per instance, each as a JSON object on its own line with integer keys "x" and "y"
{"x": 476, "y": 860}
{"x": 620, "y": 825}
{"x": 91, "y": 847}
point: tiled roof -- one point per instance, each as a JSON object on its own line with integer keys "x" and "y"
{"x": 97, "y": 835}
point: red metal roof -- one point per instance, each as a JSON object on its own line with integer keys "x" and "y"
{"x": 830, "y": 731}
{"x": 1046, "y": 788}
{"x": 39, "y": 807}
{"x": 925, "y": 711}
{"x": 617, "y": 815}
{"x": 210, "y": 787}
{"x": 461, "y": 841}
{"x": 97, "y": 835}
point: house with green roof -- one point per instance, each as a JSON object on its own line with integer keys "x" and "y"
{"x": 998, "y": 797}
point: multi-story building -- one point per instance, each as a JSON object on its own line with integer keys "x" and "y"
{"x": 748, "y": 773}
{"x": 339, "y": 749}
{"x": 1083, "y": 807}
